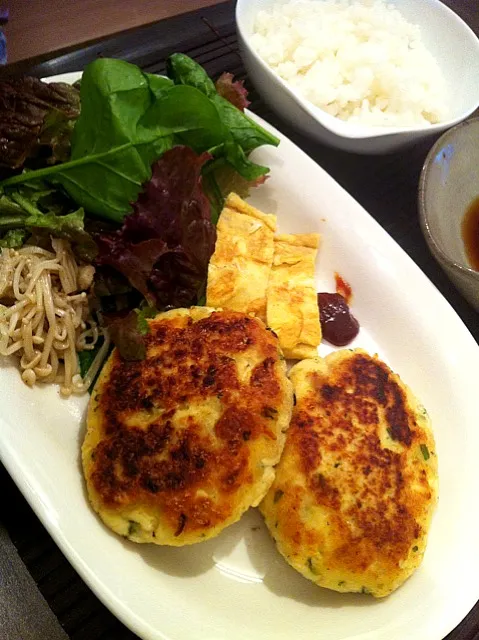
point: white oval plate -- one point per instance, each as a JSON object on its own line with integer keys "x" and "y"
{"x": 237, "y": 586}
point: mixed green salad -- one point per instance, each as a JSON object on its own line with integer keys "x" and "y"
{"x": 131, "y": 168}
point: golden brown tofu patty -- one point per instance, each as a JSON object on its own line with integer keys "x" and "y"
{"x": 180, "y": 444}
{"x": 351, "y": 503}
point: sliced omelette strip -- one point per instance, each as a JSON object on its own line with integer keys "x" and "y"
{"x": 239, "y": 269}
{"x": 354, "y": 492}
{"x": 291, "y": 302}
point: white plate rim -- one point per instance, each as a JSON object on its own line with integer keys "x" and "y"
{"x": 138, "y": 625}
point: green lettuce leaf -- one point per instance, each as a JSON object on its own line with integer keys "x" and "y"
{"x": 247, "y": 133}
{"x": 183, "y": 70}
{"x": 13, "y": 239}
{"x": 33, "y": 209}
{"x": 144, "y": 313}
{"x": 127, "y": 121}
{"x": 56, "y": 134}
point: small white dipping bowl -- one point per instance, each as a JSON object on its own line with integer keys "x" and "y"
{"x": 448, "y": 185}
{"x": 448, "y": 38}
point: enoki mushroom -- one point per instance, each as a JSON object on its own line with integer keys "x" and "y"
{"x": 45, "y": 318}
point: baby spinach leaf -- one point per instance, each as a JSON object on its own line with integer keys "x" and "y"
{"x": 128, "y": 120}
{"x": 186, "y": 112}
{"x": 236, "y": 157}
{"x": 247, "y": 133}
{"x": 126, "y": 123}
{"x": 107, "y": 148}
{"x": 158, "y": 84}
{"x": 241, "y": 134}
{"x": 183, "y": 70}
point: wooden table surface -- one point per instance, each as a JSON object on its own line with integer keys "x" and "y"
{"x": 39, "y": 29}
{"x": 41, "y": 596}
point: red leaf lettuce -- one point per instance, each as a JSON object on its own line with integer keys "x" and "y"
{"x": 165, "y": 244}
{"x": 233, "y": 91}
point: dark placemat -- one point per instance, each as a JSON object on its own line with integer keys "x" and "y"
{"x": 386, "y": 186}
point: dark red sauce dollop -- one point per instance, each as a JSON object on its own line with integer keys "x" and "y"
{"x": 338, "y": 325}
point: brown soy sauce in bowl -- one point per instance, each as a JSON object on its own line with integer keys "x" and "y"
{"x": 470, "y": 234}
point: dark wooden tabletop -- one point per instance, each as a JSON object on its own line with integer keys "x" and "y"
{"x": 39, "y": 29}
{"x": 41, "y": 596}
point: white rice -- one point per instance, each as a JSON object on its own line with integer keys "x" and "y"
{"x": 358, "y": 60}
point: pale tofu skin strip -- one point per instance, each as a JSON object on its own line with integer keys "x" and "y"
{"x": 240, "y": 267}
{"x": 291, "y": 303}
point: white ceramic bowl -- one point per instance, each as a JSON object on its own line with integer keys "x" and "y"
{"x": 449, "y": 184}
{"x": 450, "y": 40}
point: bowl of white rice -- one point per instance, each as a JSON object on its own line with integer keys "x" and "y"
{"x": 367, "y": 76}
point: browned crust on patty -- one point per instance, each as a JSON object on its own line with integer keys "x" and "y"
{"x": 192, "y": 474}
{"x": 355, "y": 441}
